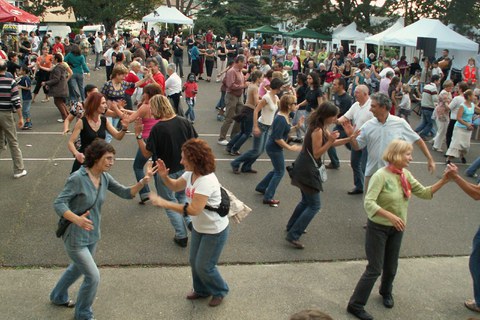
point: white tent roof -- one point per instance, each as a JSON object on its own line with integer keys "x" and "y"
{"x": 349, "y": 33}
{"x": 430, "y": 28}
{"x": 378, "y": 38}
{"x": 166, "y": 14}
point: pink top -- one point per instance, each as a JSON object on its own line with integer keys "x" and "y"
{"x": 148, "y": 124}
{"x": 261, "y": 90}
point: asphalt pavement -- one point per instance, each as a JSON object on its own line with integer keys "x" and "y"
{"x": 145, "y": 276}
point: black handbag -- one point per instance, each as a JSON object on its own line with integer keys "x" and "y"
{"x": 63, "y": 223}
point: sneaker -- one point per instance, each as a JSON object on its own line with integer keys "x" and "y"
{"x": 222, "y": 142}
{"x": 19, "y": 175}
{"x": 60, "y": 120}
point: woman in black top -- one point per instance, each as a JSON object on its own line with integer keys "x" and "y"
{"x": 314, "y": 95}
{"x": 93, "y": 125}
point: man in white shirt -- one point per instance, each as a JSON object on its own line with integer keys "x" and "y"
{"x": 358, "y": 114}
{"x": 98, "y": 50}
{"x": 377, "y": 133}
{"x": 173, "y": 88}
{"x": 454, "y": 106}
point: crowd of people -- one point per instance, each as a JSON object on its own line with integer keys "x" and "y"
{"x": 288, "y": 98}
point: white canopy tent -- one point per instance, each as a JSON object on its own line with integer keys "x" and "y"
{"x": 460, "y": 48}
{"x": 349, "y": 33}
{"x": 378, "y": 38}
{"x": 165, "y": 14}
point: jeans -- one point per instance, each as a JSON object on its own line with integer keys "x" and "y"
{"x": 178, "y": 221}
{"x": 233, "y": 106}
{"x": 190, "y": 114}
{"x": 474, "y": 265}
{"x": 246, "y": 126}
{"x": 221, "y": 102}
{"x": 205, "y": 249}
{"x": 76, "y": 83}
{"x": 249, "y": 157}
{"x": 138, "y": 168}
{"x": 82, "y": 264}
{"x": 427, "y": 123}
{"x": 303, "y": 214}
{"x": 332, "y": 152}
{"x": 472, "y": 169}
{"x": 358, "y": 161}
{"x": 98, "y": 57}
{"x": 26, "y": 104}
{"x": 179, "y": 64}
{"x": 270, "y": 182}
{"x": 382, "y": 247}
{"x": 298, "y": 115}
{"x": 8, "y": 133}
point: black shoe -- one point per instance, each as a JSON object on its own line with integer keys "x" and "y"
{"x": 235, "y": 170}
{"x": 359, "y": 313}
{"x": 388, "y": 301}
{"x": 331, "y": 166}
{"x": 355, "y": 191}
{"x": 181, "y": 242}
{"x": 464, "y": 160}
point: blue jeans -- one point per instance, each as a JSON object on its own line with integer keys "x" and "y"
{"x": 205, "y": 250}
{"x": 98, "y": 57}
{"x": 221, "y": 101}
{"x": 76, "y": 84}
{"x": 472, "y": 169}
{"x": 114, "y": 122}
{"x": 426, "y": 125}
{"x": 358, "y": 161}
{"x": 249, "y": 157}
{"x": 474, "y": 265}
{"x": 138, "y": 168}
{"x": 298, "y": 115}
{"x": 178, "y": 60}
{"x": 270, "y": 182}
{"x": 382, "y": 247}
{"x": 304, "y": 212}
{"x": 82, "y": 264}
{"x": 178, "y": 221}
{"x": 26, "y": 104}
{"x": 246, "y": 126}
{"x": 190, "y": 114}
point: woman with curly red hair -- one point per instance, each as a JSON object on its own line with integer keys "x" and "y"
{"x": 210, "y": 230}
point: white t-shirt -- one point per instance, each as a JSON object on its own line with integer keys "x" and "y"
{"x": 173, "y": 84}
{"x": 269, "y": 109}
{"x": 384, "y": 72}
{"x": 455, "y": 105}
{"x": 208, "y": 222}
{"x": 359, "y": 114}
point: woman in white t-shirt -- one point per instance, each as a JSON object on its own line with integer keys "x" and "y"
{"x": 268, "y": 106}
{"x": 210, "y": 230}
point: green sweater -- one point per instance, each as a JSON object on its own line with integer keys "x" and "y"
{"x": 77, "y": 63}
{"x": 385, "y": 191}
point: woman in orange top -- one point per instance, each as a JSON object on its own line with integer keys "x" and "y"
{"x": 470, "y": 73}
{"x": 44, "y": 66}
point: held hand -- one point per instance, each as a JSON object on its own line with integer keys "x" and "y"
{"x": 257, "y": 132}
{"x": 431, "y": 166}
{"x": 80, "y": 157}
{"x": 301, "y": 121}
{"x": 85, "y": 223}
{"x": 451, "y": 171}
{"x": 151, "y": 170}
{"x": 162, "y": 170}
{"x": 296, "y": 148}
{"x": 354, "y": 135}
{"x": 333, "y": 136}
{"x": 124, "y": 123}
{"x": 397, "y": 222}
{"x": 156, "y": 200}
{"x": 347, "y": 126}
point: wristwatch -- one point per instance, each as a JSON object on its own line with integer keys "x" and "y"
{"x": 139, "y": 137}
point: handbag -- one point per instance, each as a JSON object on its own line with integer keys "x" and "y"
{"x": 322, "y": 170}
{"x": 231, "y": 206}
{"x": 63, "y": 223}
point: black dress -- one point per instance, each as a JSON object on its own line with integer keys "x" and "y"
{"x": 87, "y": 135}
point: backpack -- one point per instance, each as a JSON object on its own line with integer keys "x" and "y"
{"x": 224, "y": 206}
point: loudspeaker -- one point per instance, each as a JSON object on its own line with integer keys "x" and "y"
{"x": 428, "y": 45}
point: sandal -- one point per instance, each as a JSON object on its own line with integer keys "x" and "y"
{"x": 472, "y": 305}
{"x": 45, "y": 100}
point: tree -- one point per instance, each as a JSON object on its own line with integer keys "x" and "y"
{"x": 38, "y": 8}
{"x": 464, "y": 14}
{"x": 412, "y": 11}
{"x": 184, "y": 6}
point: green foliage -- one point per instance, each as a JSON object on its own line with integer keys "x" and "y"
{"x": 414, "y": 10}
{"x": 39, "y": 7}
{"x": 464, "y": 14}
{"x": 205, "y": 23}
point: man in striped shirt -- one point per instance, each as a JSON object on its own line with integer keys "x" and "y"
{"x": 10, "y": 103}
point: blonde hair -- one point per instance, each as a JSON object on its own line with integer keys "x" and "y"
{"x": 277, "y": 74}
{"x": 161, "y": 107}
{"x": 286, "y": 101}
{"x": 448, "y": 83}
{"x": 406, "y": 88}
{"x": 118, "y": 70}
{"x": 395, "y": 150}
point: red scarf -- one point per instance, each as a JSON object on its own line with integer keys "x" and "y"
{"x": 406, "y": 187}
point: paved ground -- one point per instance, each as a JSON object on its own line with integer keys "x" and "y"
{"x": 266, "y": 275}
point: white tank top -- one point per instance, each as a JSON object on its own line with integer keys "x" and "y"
{"x": 268, "y": 110}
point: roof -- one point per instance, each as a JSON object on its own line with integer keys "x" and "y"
{"x": 349, "y": 33}
{"x": 9, "y": 13}
{"x": 167, "y": 14}
{"x": 265, "y": 30}
{"x": 309, "y": 34}
{"x": 378, "y": 38}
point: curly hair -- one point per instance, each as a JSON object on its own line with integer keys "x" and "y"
{"x": 96, "y": 150}
{"x": 200, "y": 155}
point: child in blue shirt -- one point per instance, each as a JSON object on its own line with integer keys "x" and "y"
{"x": 25, "y": 84}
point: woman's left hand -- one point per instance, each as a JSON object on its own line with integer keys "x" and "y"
{"x": 157, "y": 200}
{"x": 151, "y": 170}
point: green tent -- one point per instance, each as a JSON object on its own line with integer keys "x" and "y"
{"x": 309, "y": 34}
{"x": 265, "y": 30}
